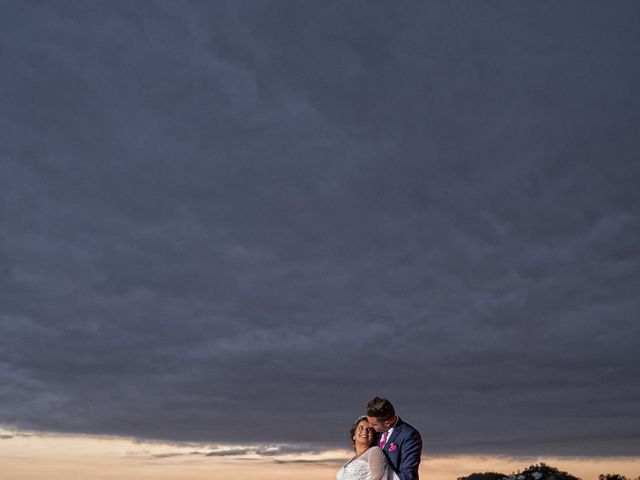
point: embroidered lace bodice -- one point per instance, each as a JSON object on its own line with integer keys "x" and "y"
{"x": 371, "y": 465}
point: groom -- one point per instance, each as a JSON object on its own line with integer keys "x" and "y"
{"x": 400, "y": 442}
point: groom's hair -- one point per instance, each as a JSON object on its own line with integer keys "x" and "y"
{"x": 380, "y": 408}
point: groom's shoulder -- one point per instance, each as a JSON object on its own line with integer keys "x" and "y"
{"x": 406, "y": 428}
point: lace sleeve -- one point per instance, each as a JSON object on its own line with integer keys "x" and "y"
{"x": 377, "y": 464}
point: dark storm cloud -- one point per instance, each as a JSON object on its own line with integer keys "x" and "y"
{"x": 240, "y": 221}
{"x": 261, "y": 450}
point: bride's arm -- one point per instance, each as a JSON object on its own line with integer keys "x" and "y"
{"x": 377, "y": 464}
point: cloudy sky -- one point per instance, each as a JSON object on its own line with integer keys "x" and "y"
{"x": 239, "y": 221}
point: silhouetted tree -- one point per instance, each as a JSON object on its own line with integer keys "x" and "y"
{"x": 534, "y": 472}
{"x": 546, "y": 472}
{"x": 615, "y": 476}
{"x": 484, "y": 476}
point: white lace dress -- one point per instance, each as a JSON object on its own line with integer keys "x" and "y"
{"x": 371, "y": 465}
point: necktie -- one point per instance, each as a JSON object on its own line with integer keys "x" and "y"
{"x": 383, "y": 440}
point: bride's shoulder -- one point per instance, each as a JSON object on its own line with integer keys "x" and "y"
{"x": 375, "y": 451}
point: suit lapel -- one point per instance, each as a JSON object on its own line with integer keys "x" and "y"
{"x": 396, "y": 430}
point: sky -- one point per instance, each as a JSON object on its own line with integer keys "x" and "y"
{"x": 34, "y": 456}
{"x": 237, "y": 222}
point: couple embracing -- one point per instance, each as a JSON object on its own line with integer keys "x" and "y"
{"x": 386, "y": 447}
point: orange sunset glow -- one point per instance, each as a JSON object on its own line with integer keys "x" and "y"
{"x": 35, "y": 456}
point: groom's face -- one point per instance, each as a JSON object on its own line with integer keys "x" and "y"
{"x": 379, "y": 425}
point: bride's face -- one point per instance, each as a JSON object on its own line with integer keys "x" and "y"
{"x": 364, "y": 434}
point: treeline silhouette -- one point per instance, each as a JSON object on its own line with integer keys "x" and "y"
{"x": 540, "y": 471}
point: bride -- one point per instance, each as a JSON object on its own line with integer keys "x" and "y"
{"x": 369, "y": 462}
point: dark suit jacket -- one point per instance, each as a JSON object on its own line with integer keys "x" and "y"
{"x": 403, "y": 450}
